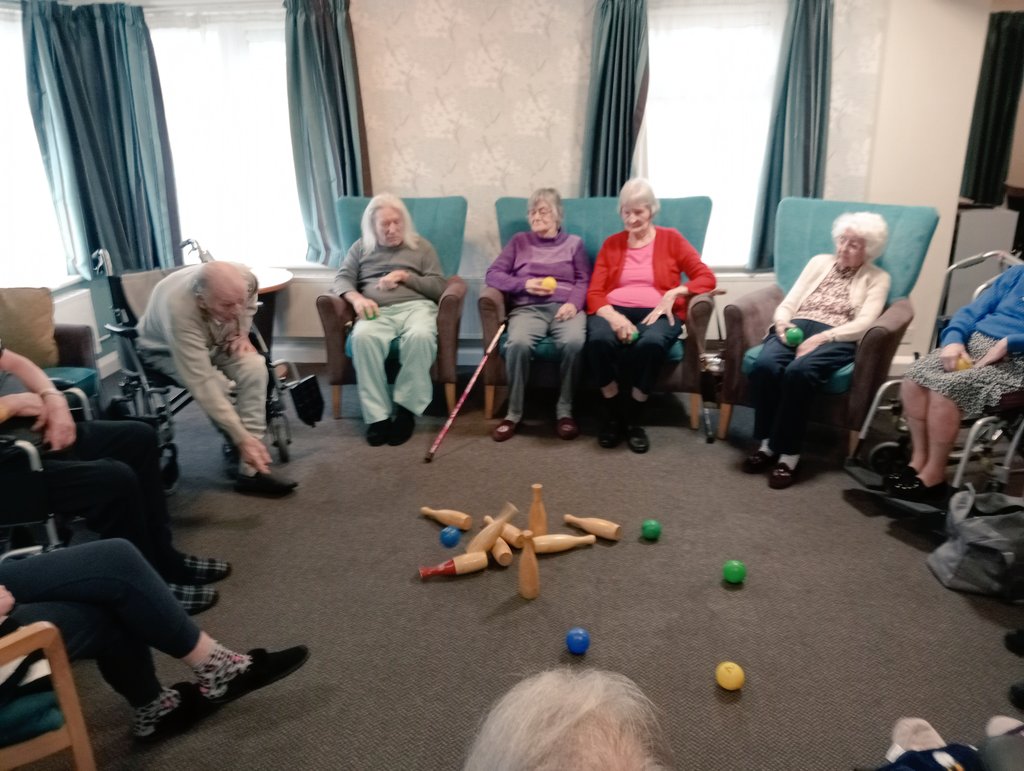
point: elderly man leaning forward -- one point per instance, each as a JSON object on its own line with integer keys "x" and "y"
{"x": 393, "y": 279}
{"x": 196, "y": 331}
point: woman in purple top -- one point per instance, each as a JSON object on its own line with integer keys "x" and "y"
{"x": 544, "y": 274}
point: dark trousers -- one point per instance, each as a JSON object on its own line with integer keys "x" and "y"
{"x": 629, "y": 364}
{"x": 109, "y": 605}
{"x": 110, "y": 476}
{"x": 782, "y": 386}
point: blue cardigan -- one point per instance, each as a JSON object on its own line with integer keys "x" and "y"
{"x": 998, "y": 312}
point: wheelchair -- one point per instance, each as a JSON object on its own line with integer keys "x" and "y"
{"x": 991, "y": 442}
{"x": 148, "y": 394}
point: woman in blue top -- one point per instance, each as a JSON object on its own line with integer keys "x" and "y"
{"x": 981, "y": 359}
{"x": 544, "y": 274}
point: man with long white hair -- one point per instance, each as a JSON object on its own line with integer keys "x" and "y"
{"x": 393, "y": 279}
{"x": 564, "y": 719}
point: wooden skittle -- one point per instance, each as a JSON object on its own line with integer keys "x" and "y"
{"x": 538, "y": 521}
{"x": 555, "y": 542}
{"x": 457, "y": 519}
{"x": 510, "y": 534}
{"x": 529, "y": 572}
{"x": 603, "y": 528}
{"x": 464, "y": 563}
{"x": 501, "y": 553}
{"x": 484, "y": 540}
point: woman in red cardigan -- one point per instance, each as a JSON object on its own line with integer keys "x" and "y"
{"x": 637, "y": 303}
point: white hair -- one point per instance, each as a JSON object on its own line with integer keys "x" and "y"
{"x": 368, "y": 225}
{"x": 565, "y": 719}
{"x": 867, "y": 225}
{"x": 638, "y": 190}
{"x": 551, "y": 197}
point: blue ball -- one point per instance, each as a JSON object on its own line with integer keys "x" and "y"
{"x": 577, "y": 640}
{"x": 450, "y": 536}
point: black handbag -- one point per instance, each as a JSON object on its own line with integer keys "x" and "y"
{"x": 308, "y": 401}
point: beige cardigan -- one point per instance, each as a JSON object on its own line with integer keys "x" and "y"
{"x": 868, "y": 292}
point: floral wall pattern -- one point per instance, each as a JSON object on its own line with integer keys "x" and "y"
{"x": 481, "y": 99}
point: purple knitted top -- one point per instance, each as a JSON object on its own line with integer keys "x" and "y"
{"x": 528, "y": 255}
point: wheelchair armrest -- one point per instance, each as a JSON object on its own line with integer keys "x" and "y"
{"x": 123, "y": 330}
{"x": 12, "y": 448}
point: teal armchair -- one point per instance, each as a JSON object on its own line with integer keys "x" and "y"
{"x": 803, "y": 229}
{"x": 594, "y": 219}
{"x": 442, "y": 221}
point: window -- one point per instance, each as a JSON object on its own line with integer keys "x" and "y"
{"x": 712, "y": 77}
{"x": 225, "y": 95}
{"x": 33, "y": 254}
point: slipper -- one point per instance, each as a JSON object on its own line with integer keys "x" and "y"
{"x": 503, "y": 431}
{"x": 782, "y": 476}
{"x": 566, "y": 428}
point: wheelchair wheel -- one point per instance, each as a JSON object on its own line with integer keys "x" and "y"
{"x": 887, "y": 457}
{"x": 282, "y": 437}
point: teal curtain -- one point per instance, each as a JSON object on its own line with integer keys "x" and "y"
{"x": 798, "y": 135}
{"x": 995, "y": 110}
{"x": 617, "y": 95}
{"x": 328, "y": 136}
{"x": 95, "y": 98}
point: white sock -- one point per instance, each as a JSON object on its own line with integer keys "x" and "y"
{"x": 789, "y": 460}
{"x": 764, "y": 447}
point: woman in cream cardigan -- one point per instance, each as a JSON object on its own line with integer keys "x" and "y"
{"x": 834, "y": 301}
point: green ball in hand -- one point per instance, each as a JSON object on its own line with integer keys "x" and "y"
{"x": 794, "y": 336}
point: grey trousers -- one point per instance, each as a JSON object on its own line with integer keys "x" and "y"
{"x": 528, "y": 325}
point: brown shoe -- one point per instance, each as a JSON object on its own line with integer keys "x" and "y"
{"x": 504, "y": 431}
{"x": 566, "y": 428}
{"x": 758, "y": 462}
{"x": 782, "y": 476}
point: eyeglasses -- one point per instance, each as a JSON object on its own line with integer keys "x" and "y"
{"x": 540, "y": 211}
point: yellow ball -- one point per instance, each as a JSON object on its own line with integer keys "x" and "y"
{"x": 549, "y": 283}
{"x": 729, "y": 675}
{"x": 963, "y": 363}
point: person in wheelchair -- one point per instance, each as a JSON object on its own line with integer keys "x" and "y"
{"x": 393, "y": 279}
{"x": 110, "y": 606}
{"x": 106, "y": 472}
{"x": 980, "y": 360}
{"x": 195, "y": 330}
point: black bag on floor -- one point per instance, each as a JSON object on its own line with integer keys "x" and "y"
{"x": 309, "y": 402}
{"x": 984, "y": 552}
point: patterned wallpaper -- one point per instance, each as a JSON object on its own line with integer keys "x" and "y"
{"x": 858, "y": 38}
{"x": 481, "y": 99}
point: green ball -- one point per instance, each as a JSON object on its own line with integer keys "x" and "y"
{"x": 634, "y": 337}
{"x": 651, "y": 529}
{"x": 794, "y": 336}
{"x": 734, "y": 571}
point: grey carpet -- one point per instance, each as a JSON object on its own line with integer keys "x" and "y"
{"x": 840, "y": 626}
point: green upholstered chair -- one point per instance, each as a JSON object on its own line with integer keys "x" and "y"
{"x": 442, "y": 221}
{"x": 37, "y": 725}
{"x": 803, "y": 229}
{"x": 594, "y": 219}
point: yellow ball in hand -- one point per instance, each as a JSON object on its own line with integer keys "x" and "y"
{"x": 549, "y": 283}
{"x": 729, "y": 675}
{"x": 963, "y": 363}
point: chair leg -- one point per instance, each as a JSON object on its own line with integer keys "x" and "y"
{"x": 336, "y": 401}
{"x": 488, "y": 402}
{"x": 696, "y": 405}
{"x": 449, "y": 396}
{"x": 724, "y": 416}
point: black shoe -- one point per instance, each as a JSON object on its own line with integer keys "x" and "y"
{"x": 759, "y": 461}
{"x": 401, "y": 427}
{"x": 377, "y": 433}
{"x": 191, "y": 708}
{"x": 266, "y": 668}
{"x": 230, "y": 453}
{"x": 194, "y": 599}
{"x": 637, "y": 439}
{"x": 1014, "y": 642}
{"x": 1017, "y": 695}
{"x": 905, "y": 474}
{"x": 610, "y": 433}
{"x": 782, "y": 476}
{"x": 915, "y": 491}
{"x": 264, "y": 484}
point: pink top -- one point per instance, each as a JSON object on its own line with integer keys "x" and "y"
{"x": 636, "y": 284}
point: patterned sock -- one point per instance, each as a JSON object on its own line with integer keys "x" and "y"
{"x": 147, "y": 717}
{"x": 218, "y": 669}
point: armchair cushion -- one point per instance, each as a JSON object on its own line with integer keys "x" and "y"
{"x": 29, "y": 716}
{"x": 26, "y": 324}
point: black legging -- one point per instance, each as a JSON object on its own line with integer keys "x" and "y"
{"x": 109, "y": 605}
{"x": 110, "y": 476}
{"x": 636, "y": 364}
